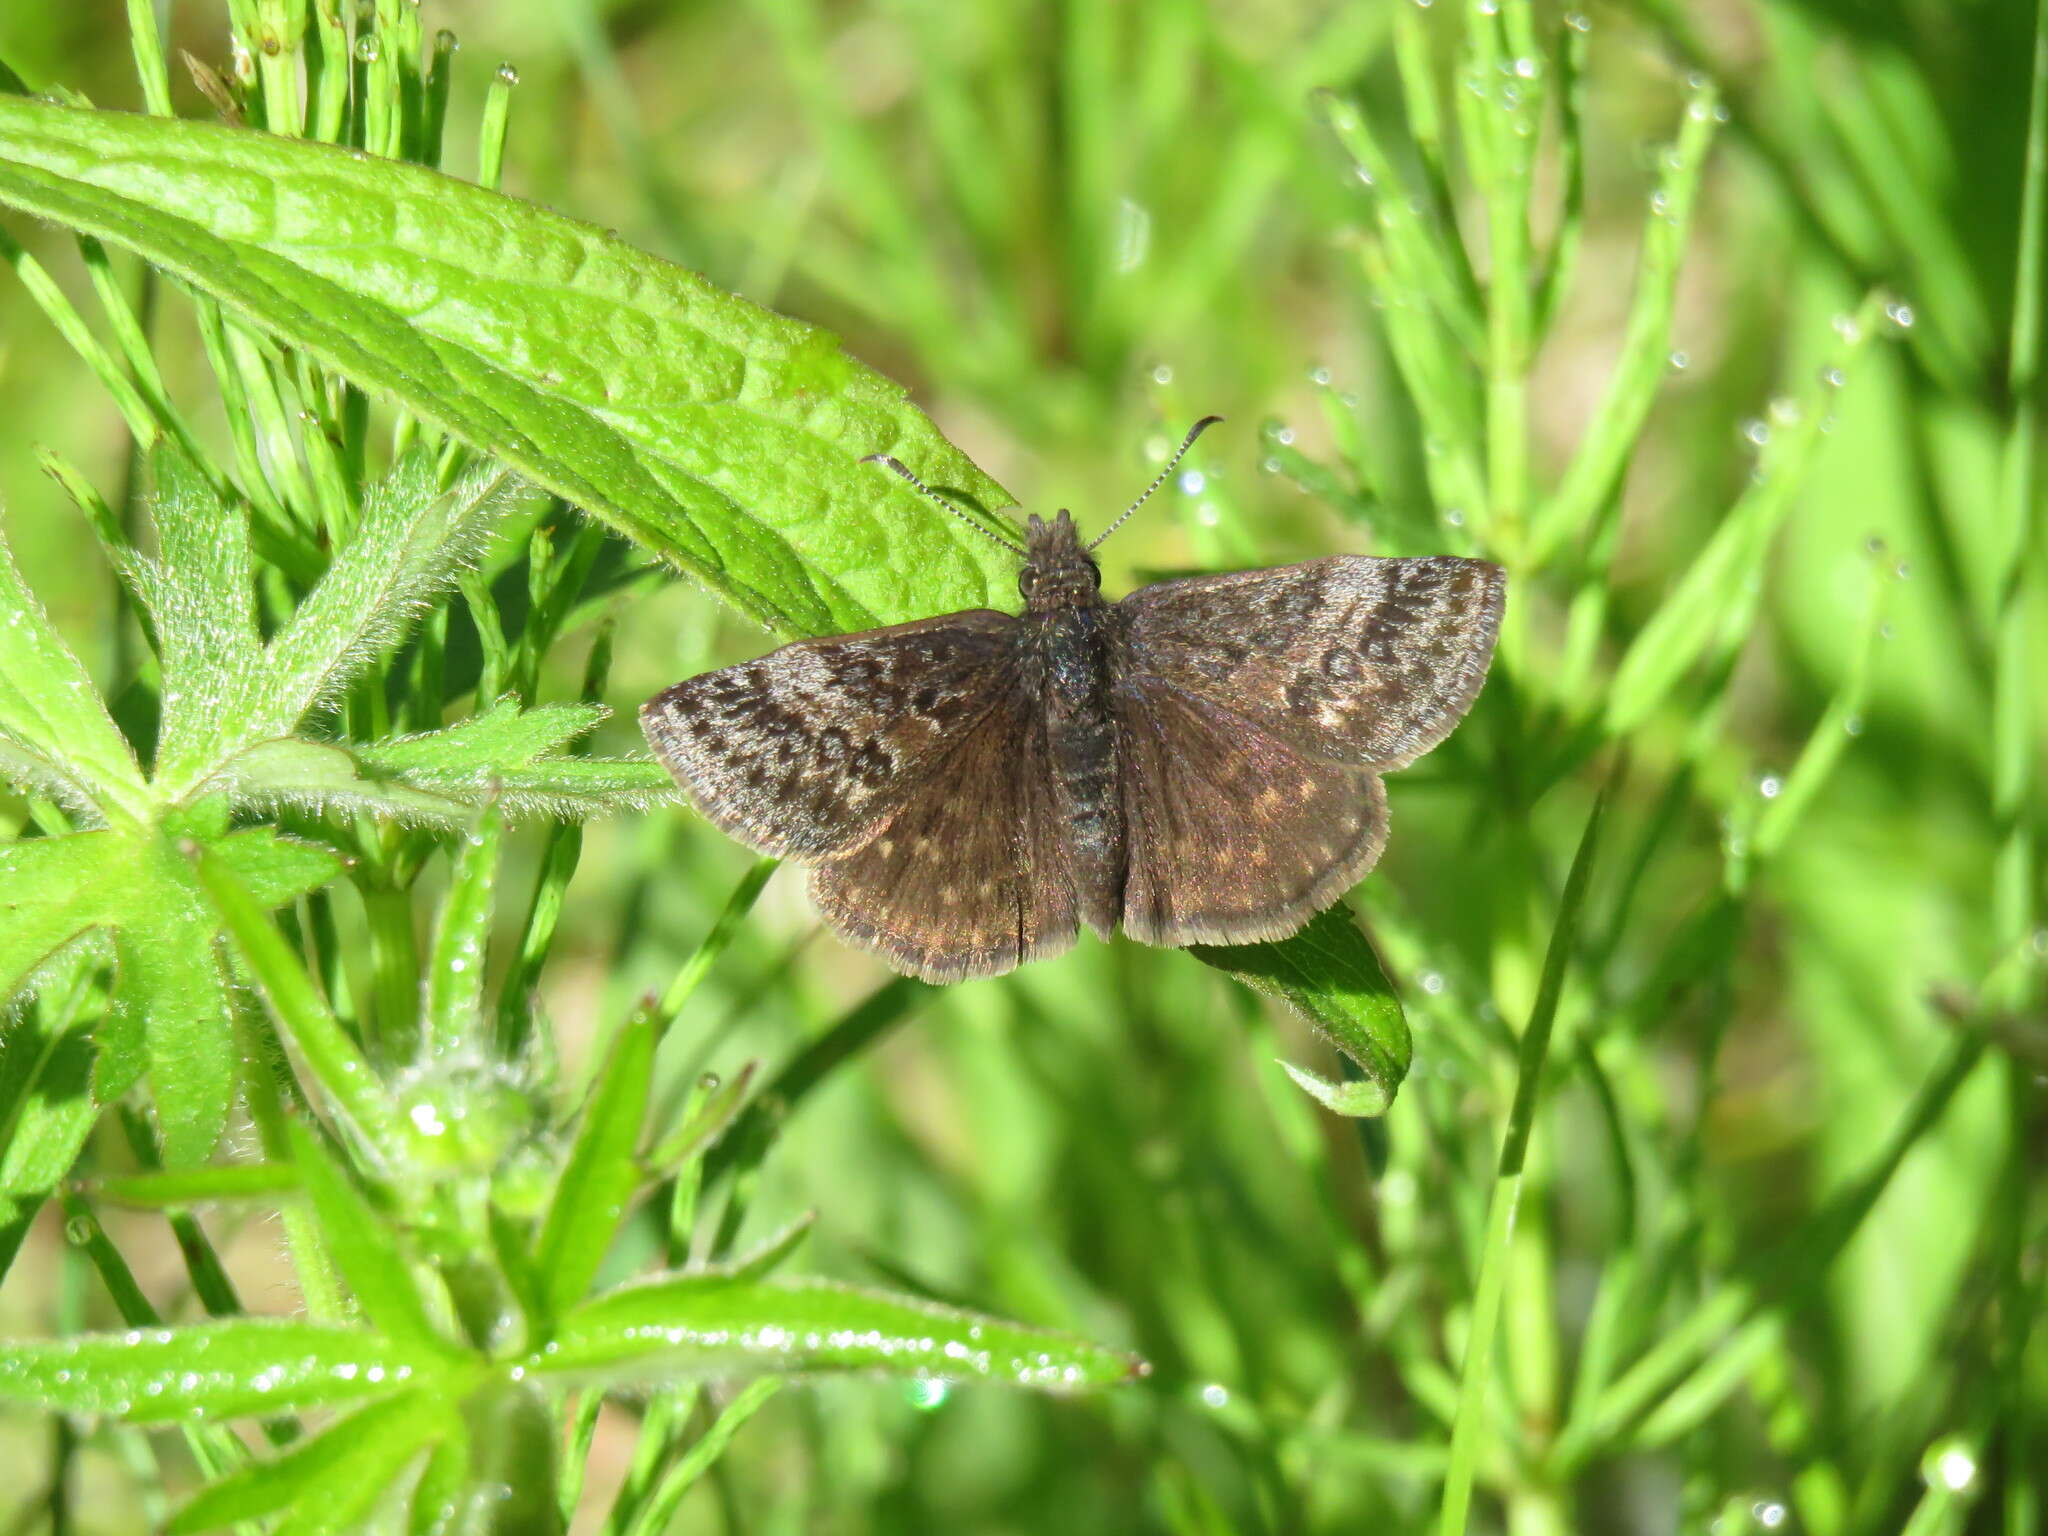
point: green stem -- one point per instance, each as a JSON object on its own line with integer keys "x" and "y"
{"x": 1477, "y": 1375}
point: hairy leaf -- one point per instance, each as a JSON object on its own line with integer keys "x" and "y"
{"x": 237, "y": 1368}
{"x": 686, "y": 1326}
{"x": 55, "y": 733}
{"x": 723, "y": 437}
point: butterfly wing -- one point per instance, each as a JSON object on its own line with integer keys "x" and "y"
{"x": 1232, "y": 835}
{"x": 1254, "y": 713}
{"x": 971, "y": 874}
{"x": 1347, "y": 659}
{"x": 803, "y": 752}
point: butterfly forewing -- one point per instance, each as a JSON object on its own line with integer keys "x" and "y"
{"x": 1348, "y": 659}
{"x": 971, "y": 875}
{"x": 804, "y": 751}
{"x": 1233, "y": 835}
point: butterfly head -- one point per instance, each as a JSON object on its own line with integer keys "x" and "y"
{"x": 1058, "y": 570}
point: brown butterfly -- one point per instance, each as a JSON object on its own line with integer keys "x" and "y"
{"x": 1197, "y": 763}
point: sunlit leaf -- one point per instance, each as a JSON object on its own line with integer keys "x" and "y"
{"x": 715, "y": 1325}
{"x": 723, "y": 437}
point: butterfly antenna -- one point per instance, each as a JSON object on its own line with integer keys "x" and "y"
{"x": 939, "y": 501}
{"x": 1171, "y": 465}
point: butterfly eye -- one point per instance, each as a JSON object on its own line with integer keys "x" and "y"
{"x": 1027, "y": 579}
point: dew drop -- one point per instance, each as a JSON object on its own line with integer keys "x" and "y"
{"x": 709, "y": 1082}
{"x": 1756, "y": 431}
{"x": 1680, "y": 360}
{"x": 1162, "y": 373}
{"x": 1847, "y": 327}
{"x": 1770, "y": 786}
{"x": 1833, "y": 378}
{"x": 928, "y": 1392}
{"x": 1216, "y": 1395}
{"x": 369, "y": 48}
{"x": 1660, "y": 203}
{"x": 1320, "y": 377}
{"x": 1432, "y": 983}
{"x": 1768, "y": 1513}
{"x": 1853, "y": 725}
{"x": 1193, "y": 482}
{"x": 508, "y": 73}
{"x": 447, "y": 42}
{"x": 1578, "y": 21}
{"x": 80, "y": 1230}
{"x": 1900, "y": 315}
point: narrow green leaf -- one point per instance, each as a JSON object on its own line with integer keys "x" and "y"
{"x": 725, "y": 438}
{"x": 1329, "y": 973}
{"x": 340, "y": 1471}
{"x": 509, "y": 1482}
{"x": 55, "y": 733}
{"x": 180, "y": 1187}
{"x": 333, "y": 1059}
{"x": 200, "y": 591}
{"x": 680, "y": 1327}
{"x": 661, "y": 1505}
{"x": 455, "y": 967}
{"x": 169, "y": 980}
{"x": 410, "y": 542}
{"x": 46, "y": 1112}
{"x": 49, "y": 895}
{"x": 236, "y": 1368}
{"x": 364, "y": 1246}
{"x": 502, "y": 736}
{"x": 601, "y": 1173}
{"x": 1713, "y": 586}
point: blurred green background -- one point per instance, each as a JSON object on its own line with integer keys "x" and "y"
{"x": 1070, "y": 229}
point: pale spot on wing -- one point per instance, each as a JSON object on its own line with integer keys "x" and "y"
{"x": 885, "y": 846}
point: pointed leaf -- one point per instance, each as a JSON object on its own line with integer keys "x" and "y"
{"x": 199, "y": 589}
{"x": 365, "y": 1248}
{"x": 237, "y": 1368}
{"x": 1330, "y": 975}
{"x": 410, "y": 543}
{"x": 170, "y": 983}
{"x": 455, "y": 969}
{"x": 55, "y": 732}
{"x": 49, "y": 895}
{"x": 503, "y": 736}
{"x": 685, "y": 1326}
{"x": 341, "y": 1471}
{"x": 46, "y": 1112}
{"x": 601, "y": 1174}
{"x": 725, "y": 438}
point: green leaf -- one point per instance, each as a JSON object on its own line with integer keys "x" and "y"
{"x": 46, "y": 1112}
{"x": 340, "y": 1472}
{"x": 364, "y": 1247}
{"x": 174, "y": 1188}
{"x": 170, "y": 983}
{"x": 48, "y": 897}
{"x": 56, "y": 736}
{"x": 455, "y": 969}
{"x": 409, "y": 544}
{"x": 721, "y": 436}
{"x": 200, "y": 590}
{"x": 236, "y": 1368}
{"x": 601, "y": 1173}
{"x": 679, "y": 1327}
{"x": 1329, "y": 973}
{"x": 501, "y": 737}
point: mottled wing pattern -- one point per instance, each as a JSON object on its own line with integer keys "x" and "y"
{"x": 1350, "y": 659}
{"x": 1233, "y": 834}
{"x": 972, "y": 874}
{"x": 802, "y": 752}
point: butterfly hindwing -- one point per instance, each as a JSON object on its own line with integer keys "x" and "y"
{"x": 971, "y": 875}
{"x": 801, "y": 752}
{"x": 1348, "y": 659}
{"x": 1232, "y": 834}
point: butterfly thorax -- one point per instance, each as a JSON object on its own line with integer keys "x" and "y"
{"x": 1068, "y": 631}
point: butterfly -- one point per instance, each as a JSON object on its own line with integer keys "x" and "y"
{"x": 1198, "y": 762}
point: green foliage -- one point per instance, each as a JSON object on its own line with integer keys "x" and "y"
{"x": 1709, "y": 1195}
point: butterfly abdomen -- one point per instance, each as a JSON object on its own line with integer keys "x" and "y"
{"x": 1074, "y": 648}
